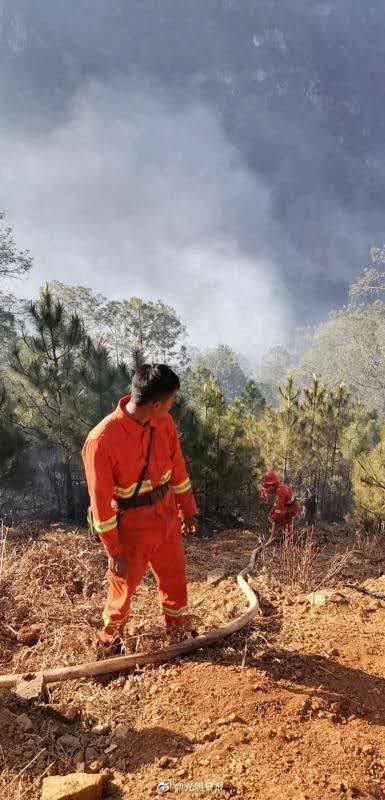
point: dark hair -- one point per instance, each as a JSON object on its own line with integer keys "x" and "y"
{"x": 153, "y": 382}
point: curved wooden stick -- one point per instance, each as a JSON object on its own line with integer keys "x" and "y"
{"x": 122, "y": 663}
{"x": 362, "y": 590}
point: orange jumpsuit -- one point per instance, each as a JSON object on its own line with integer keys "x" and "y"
{"x": 284, "y": 510}
{"x": 114, "y": 455}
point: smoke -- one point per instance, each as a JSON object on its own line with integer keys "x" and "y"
{"x": 227, "y": 160}
{"x": 136, "y": 192}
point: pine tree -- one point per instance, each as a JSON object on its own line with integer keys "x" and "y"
{"x": 100, "y": 379}
{"x": 226, "y": 455}
{"x": 313, "y": 406}
{"x": 338, "y": 415}
{"x": 289, "y": 416}
{"x": 310, "y": 433}
{"x": 252, "y": 400}
{"x": 368, "y": 480}
{"x": 213, "y": 403}
{"x": 326, "y": 432}
{"x": 195, "y": 440}
{"x": 48, "y": 365}
{"x": 13, "y": 445}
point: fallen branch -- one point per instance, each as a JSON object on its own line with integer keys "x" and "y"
{"x": 123, "y": 663}
{"x": 378, "y": 595}
{"x": 7, "y": 631}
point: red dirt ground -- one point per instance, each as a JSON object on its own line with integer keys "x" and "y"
{"x": 304, "y": 718}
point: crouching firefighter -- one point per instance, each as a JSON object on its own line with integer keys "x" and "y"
{"x": 284, "y": 508}
{"x": 139, "y": 492}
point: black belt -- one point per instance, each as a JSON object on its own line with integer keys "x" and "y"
{"x": 148, "y": 499}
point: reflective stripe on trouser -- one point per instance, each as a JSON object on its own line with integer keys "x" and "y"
{"x": 164, "y": 553}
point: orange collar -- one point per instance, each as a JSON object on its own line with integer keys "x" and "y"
{"x": 132, "y": 425}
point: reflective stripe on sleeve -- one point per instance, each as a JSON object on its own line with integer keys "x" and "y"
{"x": 180, "y": 488}
{"x": 107, "y": 525}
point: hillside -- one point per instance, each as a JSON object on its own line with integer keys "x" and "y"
{"x": 303, "y": 718}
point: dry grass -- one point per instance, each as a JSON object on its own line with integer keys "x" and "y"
{"x": 21, "y": 785}
{"x": 300, "y": 562}
{"x": 54, "y": 581}
{"x": 3, "y": 542}
{"x": 369, "y": 545}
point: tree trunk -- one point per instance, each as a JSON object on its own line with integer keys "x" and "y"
{"x": 71, "y": 511}
{"x": 53, "y": 480}
{"x": 322, "y": 499}
{"x": 217, "y": 478}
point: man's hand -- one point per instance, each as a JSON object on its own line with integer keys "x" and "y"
{"x": 190, "y": 525}
{"x": 118, "y": 565}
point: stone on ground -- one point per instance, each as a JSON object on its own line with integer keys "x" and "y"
{"x": 122, "y": 732}
{"x": 68, "y": 742}
{"x": 30, "y": 687}
{"x": 29, "y": 635}
{"x": 215, "y": 576}
{"x": 77, "y": 786}
{"x": 326, "y": 596}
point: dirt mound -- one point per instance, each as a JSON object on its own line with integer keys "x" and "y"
{"x": 302, "y": 719}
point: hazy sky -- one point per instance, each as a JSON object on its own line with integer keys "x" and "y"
{"x": 226, "y": 158}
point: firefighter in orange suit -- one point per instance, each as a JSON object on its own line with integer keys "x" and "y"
{"x": 285, "y": 507}
{"x": 139, "y": 490}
